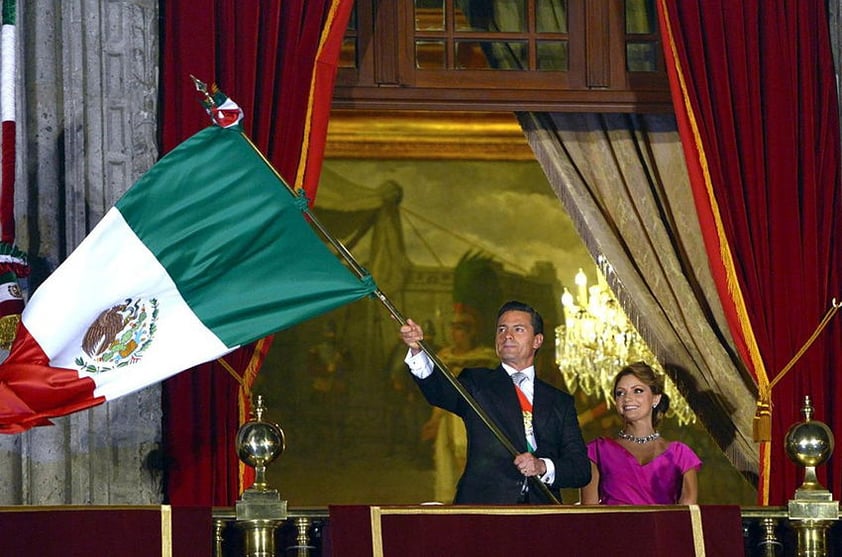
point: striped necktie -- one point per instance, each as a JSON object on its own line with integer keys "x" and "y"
{"x": 525, "y": 396}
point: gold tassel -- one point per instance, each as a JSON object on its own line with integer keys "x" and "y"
{"x": 762, "y": 426}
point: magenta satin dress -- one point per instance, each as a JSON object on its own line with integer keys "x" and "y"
{"x": 624, "y": 481}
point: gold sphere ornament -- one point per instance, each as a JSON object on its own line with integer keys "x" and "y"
{"x": 259, "y": 443}
{"x": 812, "y": 511}
{"x": 260, "y": 509}
{"x": 809, "y": 443}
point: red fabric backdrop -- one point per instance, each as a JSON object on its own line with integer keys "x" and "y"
{"x": 277, "y": 60}
{"x": 754, "y": 93}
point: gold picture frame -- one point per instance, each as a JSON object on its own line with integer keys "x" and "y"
{"x": 426, "y": 135}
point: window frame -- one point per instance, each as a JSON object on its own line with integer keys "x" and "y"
{"x": 596, "y": 79}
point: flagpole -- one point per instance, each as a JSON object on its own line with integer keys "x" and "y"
{"x": 362, "y": 273}
{"x": 396, "y": 314}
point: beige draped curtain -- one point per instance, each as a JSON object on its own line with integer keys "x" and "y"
{"x": 623, "y": 180}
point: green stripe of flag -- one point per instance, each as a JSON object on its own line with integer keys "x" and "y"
{"x": 9, "y": 10}
{"x": 234, "y": 241}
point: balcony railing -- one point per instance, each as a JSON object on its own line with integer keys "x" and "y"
{"x": 767, "y": 532}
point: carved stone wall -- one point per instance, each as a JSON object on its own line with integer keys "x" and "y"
{"x": 87, "y": 129}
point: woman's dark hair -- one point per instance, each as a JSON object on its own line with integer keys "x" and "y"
{"x": 514, "y": 305}
{"x": 654, "y": 381}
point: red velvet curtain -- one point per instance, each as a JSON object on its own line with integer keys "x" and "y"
{"x": 277, "y": 59}
{"x": 754, "y": 93}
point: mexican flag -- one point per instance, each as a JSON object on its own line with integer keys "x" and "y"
{"x": 208, "y": 251}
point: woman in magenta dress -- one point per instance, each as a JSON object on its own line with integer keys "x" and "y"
{"x": 638, "y": 466}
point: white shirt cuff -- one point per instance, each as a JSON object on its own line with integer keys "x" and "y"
{"x": 549, "y": 477}
{"x": 419, "y": 365}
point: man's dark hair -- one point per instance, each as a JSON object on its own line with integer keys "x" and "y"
{"x": 514, "y": 305}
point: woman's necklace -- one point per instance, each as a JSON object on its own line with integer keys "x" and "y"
{"x": 639, "y": 440}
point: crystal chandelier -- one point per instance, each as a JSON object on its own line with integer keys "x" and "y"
{"x": 597, "y": 340}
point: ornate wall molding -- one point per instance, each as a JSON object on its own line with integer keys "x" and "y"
{"x": 426, "y": 135}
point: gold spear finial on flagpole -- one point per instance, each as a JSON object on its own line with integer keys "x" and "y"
{"x": 202, "y": 87}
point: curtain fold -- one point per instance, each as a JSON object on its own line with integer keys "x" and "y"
{"x": 623, "y": 181}
{"x": 276, "y": 59}
{"x": 754, "y": 92}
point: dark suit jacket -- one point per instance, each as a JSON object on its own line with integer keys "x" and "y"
{"x": 490, "y": 477}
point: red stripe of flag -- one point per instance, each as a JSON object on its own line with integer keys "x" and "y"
{"x": 48, "y": 391}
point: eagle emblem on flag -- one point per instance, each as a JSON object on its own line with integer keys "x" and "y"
{"x": 119, "y": 335}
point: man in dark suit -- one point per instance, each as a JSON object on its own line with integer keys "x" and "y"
{"x": 538, "y": 419}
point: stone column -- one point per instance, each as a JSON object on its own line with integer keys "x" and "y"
{"x": 87, "y": 129}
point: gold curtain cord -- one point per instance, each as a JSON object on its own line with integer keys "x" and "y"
{"x": 834, "y": 307}
{"x": 230, "y": 369}
{"x": 763, "y": 414}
